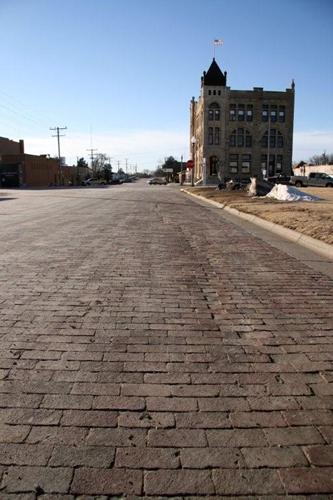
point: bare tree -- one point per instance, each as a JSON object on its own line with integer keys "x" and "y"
{"x": 101, "y": 165}
{"x": 323, "y": 159}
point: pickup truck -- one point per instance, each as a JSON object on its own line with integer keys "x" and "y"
{"x": 318, "y": 179}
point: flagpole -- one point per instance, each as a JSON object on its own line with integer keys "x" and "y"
{"x": 217, "y": 41}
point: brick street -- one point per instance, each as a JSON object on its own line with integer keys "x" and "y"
{"x": 150, "y": 348}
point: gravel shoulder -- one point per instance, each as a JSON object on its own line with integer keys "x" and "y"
{"x": 314, "y": 219}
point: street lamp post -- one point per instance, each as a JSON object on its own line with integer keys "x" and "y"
{"x": 268, "y": 145}
{"x": 204, "y": 171}
{"x": 193, "y": 141}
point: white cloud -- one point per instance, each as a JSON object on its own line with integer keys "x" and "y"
{"x": 142, "y": 147}
{"x": 307, "y": 144}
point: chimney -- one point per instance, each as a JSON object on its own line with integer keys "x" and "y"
{"x": 21, "y": 146}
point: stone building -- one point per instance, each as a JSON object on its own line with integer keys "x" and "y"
{"x": 235, "y": 134}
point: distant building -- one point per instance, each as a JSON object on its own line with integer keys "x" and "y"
{"x": 18, "y": 169}
{"x": 304, "y": 169}
{"x": 9, "y": 147}
{"x": 236, "y": 134}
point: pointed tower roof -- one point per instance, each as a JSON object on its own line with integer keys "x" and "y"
{"x": 214, "y": 75}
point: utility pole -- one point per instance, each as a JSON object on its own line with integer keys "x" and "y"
{"x": 126, "y": 168}
{"x": 181, "y": 171}
{"x": 58, "y": 135}
{"x": 92, "y": 158}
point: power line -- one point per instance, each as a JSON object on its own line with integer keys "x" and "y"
{"x": 18, "y": 107}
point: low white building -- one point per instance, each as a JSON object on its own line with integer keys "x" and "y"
{"x": 304, "y": 169}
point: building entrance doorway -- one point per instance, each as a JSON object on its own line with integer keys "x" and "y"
{"x": 213, "y": 164}
{"x": 9, "y": 176}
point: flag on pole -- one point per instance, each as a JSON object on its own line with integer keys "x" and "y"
{"x": 218, "y": 41}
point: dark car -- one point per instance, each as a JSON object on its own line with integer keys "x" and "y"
{"x": 279, "y": 179}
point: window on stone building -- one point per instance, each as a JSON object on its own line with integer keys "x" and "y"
{"x": 241, "y": 112}
{"x": 282, "y": 114}
{"x": 278, "y": 167}
{"x": 275, "y": 164}
{"x": 263, "y": 161}
{"x": 264, "y": 113}
{"x": 213, "y": 162}
{"x": 249, "y": 113}
{"x": 214, "y": 92}
{"x": 214, "y": 112}
{"x": 209, "y": 92}
{"x": 217, "y": 136}
{"x": 273, "y": 111}
{"x": 275, "y": 139}
{"x": 264, "y": 140}
{"x": 232, "y": 139}
{"x": 272, "y": 114}
{"x": 232, "y": 112}
{"x": 279, "y": 140}
{"x": 246, "y": 163}
{"x": 210, "y": 135}
{"x": 219, "y": 92}
{"x": 248, "y": 139}
{"x": 240, "y": 138}
{"x": 233, "y": 164}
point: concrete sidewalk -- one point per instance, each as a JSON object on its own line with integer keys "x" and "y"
{"x": 149, "y": 349}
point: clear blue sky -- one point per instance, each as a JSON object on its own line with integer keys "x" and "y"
{"x": 120, "y": 74}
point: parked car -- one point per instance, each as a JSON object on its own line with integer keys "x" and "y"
{"x": 93, "y": 182}
{"x": 158, "y": 180}
{"x": 279, "y": 179}
{"x": 315, "y": 179}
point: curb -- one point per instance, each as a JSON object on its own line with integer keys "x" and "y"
{"x": 317, "y": 246}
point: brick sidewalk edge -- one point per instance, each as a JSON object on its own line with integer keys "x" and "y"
{"x": 313, "y": 244}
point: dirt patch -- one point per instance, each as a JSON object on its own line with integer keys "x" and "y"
{"x": 311, "y": 218}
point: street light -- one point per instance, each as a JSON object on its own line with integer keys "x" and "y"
{"x": 193, "y": 141}
{"x": 204, "y": 171}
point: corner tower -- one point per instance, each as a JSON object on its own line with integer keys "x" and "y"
{"x": 214, "y": 76}
{"x": 208, "y": 126}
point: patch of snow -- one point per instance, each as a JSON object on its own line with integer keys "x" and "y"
{"x": 283, "y": 192}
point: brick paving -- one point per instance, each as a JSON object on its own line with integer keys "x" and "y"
{"x": 151, "y": 349}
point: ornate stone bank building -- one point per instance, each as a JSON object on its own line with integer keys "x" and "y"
{"x": 235, "y": 134}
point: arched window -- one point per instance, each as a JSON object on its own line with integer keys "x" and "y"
{"x": 214, "y": 112}
{"x": 275, "y": 139}
{"x": 240, "y": 138}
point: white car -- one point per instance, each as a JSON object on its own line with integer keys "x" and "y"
{"x": 93, "y": 182}
{"x": 158, "y": 180}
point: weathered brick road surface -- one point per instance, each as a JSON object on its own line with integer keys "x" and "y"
{"x": 149, "y": 349}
